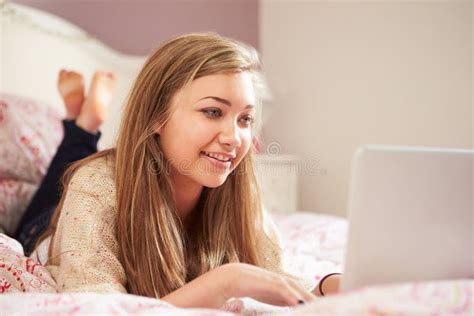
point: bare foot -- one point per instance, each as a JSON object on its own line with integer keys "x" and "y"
{"x": 71, "y": 88}
{"x": 94, "y": 110}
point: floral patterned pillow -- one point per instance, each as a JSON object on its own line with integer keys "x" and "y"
{"x": 30, "y": 132}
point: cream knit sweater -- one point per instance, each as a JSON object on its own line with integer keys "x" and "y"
{"x": 85, "y": 251}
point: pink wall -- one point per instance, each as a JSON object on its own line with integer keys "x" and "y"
{"x": 137, "y": 27}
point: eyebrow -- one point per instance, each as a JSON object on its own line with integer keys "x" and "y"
{"x": 226, "y": 102}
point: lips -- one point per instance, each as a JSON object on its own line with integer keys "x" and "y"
{"x": 219, "y": 156}
{"x": 216, "y": 162}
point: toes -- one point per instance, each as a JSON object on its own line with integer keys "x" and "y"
{"x": 70, "y": 76}
{"x": 99, "y": 74}
{"x": 62, "y": 75}
{"x": 103, "y": 74}
{"x": 104, "y": 79}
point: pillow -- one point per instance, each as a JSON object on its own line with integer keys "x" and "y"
{"x": 19, "y": 273}
{"x": 30, "y": 132}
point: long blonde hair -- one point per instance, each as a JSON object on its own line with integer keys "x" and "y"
{"x": 158, "y": 253}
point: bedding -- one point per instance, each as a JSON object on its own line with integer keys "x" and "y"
{"x": 30, "y": 132}
{"x": 314, "y": 245}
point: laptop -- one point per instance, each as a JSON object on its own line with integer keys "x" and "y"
{"x": 410, "y": 212}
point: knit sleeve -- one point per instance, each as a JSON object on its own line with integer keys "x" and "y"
{"x": 273, "y": 256}
{"x": 85, "y": 252}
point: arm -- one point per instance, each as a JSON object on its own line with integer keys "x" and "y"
{"x": 209, "y": 290}
{"x": 329, "y": 286}
{"x": 214, "y": 288}
{"x": 85, "y": 253}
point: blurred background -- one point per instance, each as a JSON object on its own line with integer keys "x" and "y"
{"x": 342, "y": 73}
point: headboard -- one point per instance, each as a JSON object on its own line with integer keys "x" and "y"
{"x": 36, "y": 45}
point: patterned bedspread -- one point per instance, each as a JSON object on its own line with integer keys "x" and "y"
{"x": 314, "y": 245}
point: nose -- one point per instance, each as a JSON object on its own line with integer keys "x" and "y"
{"x": 230, "y": 136}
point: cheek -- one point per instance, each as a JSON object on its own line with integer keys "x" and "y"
{"x": 189, "y": 135}
{"x": 247, "y": 143}
{"x": 177, "y": 143}
{"x": 243, "y": 150}
{"x": 201, "y": 136}
{"x": 246, "y": 138}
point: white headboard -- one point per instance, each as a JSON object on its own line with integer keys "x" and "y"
{"x": 35, "y": 45}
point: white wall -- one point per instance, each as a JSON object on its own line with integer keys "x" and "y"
{"x": 345, "y": 73}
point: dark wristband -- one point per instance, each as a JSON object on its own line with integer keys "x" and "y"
{"x": 320, "y": 286}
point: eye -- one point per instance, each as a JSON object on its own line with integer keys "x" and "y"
{"x": 213, "y": 113}
{"x": 248, "y": 120}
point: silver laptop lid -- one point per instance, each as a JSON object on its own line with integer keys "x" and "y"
{"x": 410, "y": 213}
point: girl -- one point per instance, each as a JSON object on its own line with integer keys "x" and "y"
{"x": 173, "y": 211}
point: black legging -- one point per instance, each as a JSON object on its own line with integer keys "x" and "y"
{"x": 76, "y": 144}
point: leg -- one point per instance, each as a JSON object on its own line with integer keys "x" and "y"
{"x": 78, "y": 143}
{"x": 94, "y": 110}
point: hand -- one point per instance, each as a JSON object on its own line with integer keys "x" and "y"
{"x": 244, "y": 280}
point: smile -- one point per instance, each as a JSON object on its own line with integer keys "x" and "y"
{"x": 217, "y": 156}
{"x": 221, "y": 162}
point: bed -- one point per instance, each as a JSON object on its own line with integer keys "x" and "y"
{"x": 30, "y": 131}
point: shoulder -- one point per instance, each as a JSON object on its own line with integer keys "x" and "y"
{"x": 85, "y": 253}
{"x": 89, "y": 203}
{"x": 99, "y": 171}
{"x": 96, "y": 178}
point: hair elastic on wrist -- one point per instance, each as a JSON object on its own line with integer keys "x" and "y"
{"x": 320, "y": 286}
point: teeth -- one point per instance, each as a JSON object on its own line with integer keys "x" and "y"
{"x": 217, "y": 156}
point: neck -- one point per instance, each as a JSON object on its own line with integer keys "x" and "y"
{"x": 186, "y": 195}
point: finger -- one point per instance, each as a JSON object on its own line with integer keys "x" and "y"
{"x": 280, "y": 293}
{"x": 296, "y": 295}
{"x": 291, "y": 295}
{"x": 299, "y": 298}
{"x": 308, "y": 297}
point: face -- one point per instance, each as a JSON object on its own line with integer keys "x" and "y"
{"x": 210, "y": 129}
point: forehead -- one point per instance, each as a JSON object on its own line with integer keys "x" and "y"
{"x": 236, "y": 87}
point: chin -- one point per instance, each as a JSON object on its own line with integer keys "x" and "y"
{"x": 213, "y": 181}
